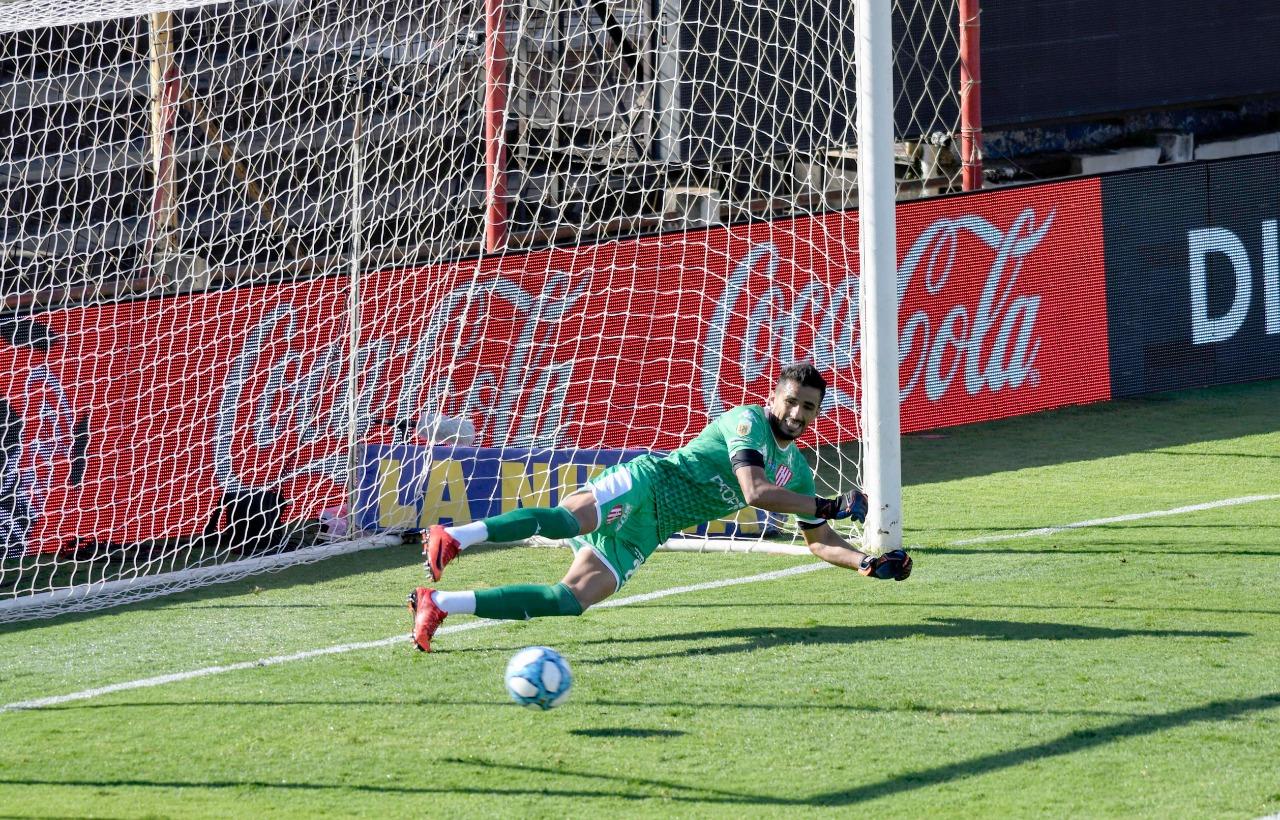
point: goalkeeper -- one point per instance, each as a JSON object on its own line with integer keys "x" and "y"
{"x": 614, "y": 523}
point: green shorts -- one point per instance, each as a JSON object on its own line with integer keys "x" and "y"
{"x": 628, "y": 531}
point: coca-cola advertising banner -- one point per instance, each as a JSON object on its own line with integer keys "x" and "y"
{"x": 130, "y": 421}
{"x": 1193, "y": 268}
{"x": 1003, "y": 305}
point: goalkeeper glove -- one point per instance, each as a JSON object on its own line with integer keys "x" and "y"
{"x": 852, "y": 504}
{"x": 895, "y": 564}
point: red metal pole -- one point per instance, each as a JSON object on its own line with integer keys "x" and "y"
{"x": 970, "y": 95}
{"x": 495, "y": 106}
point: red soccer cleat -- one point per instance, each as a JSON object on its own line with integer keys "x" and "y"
{"x": 426, "y": 617}
{"x": 440, "y": 550}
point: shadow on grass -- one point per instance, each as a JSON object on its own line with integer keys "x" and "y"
{"x": 632, "y": 787}
{"x": 654, "y": 703}
{"x": 1077, "y": 741}
{"x": 757, "y": 638}
{"x": 625, "y": 731}
{"x": 1203, "y": 454}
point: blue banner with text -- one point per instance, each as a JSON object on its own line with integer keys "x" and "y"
{"x": 409, "y": 487}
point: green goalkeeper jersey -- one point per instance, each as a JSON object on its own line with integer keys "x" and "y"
{"x": 696, "y": 484}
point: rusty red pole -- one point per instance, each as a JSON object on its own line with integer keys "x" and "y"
{"x": 495, "y": 106}
{"x": 166, "y": 88}
{"x": 970, "y": 94}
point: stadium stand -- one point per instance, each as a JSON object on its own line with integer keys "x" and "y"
{"x": 270, "y": 166}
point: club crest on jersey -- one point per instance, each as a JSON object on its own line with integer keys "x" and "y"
{"x": 744, "y": 428}
{"x": 782, "y": 475}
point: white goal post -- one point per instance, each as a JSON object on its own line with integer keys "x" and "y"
{"x": 881, "y": 427}
{"x": 285, "y": 278}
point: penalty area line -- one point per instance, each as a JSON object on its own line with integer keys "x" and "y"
{"x": 1117, "y": 519}
{"x": 276, "y": 660}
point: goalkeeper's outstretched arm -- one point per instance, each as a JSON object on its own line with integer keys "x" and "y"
{"x": 758, "y": 491}
{"x": 831, "y": 547}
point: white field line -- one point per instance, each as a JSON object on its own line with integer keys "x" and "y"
{"x": 276, "y": 660}
{"x": 1118, "y": 519}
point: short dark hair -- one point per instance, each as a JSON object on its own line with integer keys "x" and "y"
{"x": 805, "y": 375}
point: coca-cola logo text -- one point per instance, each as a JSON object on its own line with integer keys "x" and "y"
{"x": 992, "y": 343}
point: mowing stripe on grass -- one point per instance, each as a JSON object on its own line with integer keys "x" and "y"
{"x": 276, "y": 660}
{"x": 1118, "y": 519}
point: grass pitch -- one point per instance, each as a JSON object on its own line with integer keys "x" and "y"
{"x": 1125, "y": 669}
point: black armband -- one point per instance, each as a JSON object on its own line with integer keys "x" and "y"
{"x": 809, "y": 525}
{"x": 746, "y": 458}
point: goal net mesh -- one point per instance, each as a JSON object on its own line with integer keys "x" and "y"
{"x": 283, "y": 276}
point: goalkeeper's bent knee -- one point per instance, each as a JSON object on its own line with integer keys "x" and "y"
{"x": 523, "y": 601}
{"x": 526, "y": 522}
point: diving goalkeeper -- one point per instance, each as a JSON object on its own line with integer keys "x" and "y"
{"x": 746, "y": 457}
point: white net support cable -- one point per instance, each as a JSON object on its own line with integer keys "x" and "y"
{"x": 252, "y": 249}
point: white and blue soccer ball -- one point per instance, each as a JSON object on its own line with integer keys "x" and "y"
{"x": 538, "y": 677}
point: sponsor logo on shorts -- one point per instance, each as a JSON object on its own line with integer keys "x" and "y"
{"x": 619, "y": 514}
{"x": 638, "y": 557}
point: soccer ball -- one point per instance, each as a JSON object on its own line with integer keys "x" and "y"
{"x": 539, "y": 678}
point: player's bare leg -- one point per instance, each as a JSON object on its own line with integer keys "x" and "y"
{"x": 589, "y": 579}
{"x": 583, "y": 506}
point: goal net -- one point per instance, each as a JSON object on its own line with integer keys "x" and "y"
{"x": 286, "y": 278}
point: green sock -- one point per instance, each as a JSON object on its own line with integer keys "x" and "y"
{"x": 517, "y": 525}
{"x": 523, "y": 601}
